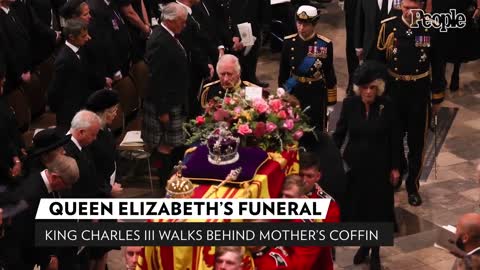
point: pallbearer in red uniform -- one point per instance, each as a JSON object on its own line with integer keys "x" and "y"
{"x": 310, "y": 171}
{"x": 309, "y": 257}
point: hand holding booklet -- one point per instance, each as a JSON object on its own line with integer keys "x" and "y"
{"x": 246, "y": 35}
{"x": 132, "y": 138}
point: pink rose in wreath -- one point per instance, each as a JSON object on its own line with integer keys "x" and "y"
{"x": 244, "y": 129}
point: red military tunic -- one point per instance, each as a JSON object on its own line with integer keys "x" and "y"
{"x": 333, "y": 215}
{"x": 272, "y": 258}
{"x": 315, "y": 257}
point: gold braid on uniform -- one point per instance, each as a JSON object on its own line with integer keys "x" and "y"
{"x": 385, "y": 44}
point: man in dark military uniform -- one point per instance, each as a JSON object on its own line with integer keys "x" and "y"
{"x": 228, "y": 71}
{"x": 409, "y": 53}
{"x": 306, "y": 68}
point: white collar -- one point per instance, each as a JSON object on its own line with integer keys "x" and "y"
{"x": 389, "y": 5}
{"x": 473, "y": 251}
{"x": 189, "y": 9}
{"x": 168, "y": 30}
{"x": 43, "y": 174}
{"x": 75, "y": 141}
{"x": 71, "y": 46}
{"x": 5, "y": 9}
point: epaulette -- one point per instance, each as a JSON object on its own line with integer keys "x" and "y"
{"x": 324, "y": 38}
{"x": 388, "y": 19}
{"x": 211, "y": 83}
{"x": 247, "y": 83}
{"x": 290, "y": 36}
{"x": 324, "y": 195}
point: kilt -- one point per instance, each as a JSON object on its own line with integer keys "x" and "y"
{"x": 155, "y": 133}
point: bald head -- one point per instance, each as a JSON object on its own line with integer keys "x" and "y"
{"x": 228, "y": 70}
{"x": 468, "y": 231}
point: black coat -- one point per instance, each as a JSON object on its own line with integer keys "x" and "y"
{"x": 367, "y": 25}
{"x": 32, "y": 189}
{"x": 88, "y": 185}
{"x": 234, "y": 12}
{"x": 110, "y": 42}
{"x": 16, "y": 41}
{"x": 192, "y": 41}
{"x": 168, "y": 71}
{"x": 204, "y": 13}
{"x": 103, "y": 151}
{"x": 69, "y": 89}
{"x": 458, "y": 44}
{"x": 43, "y": 20}
{"x": 10, "y": 139}
{"x": 372, "y": 151}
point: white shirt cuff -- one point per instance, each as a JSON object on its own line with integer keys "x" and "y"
{"x": 221, "y": 47}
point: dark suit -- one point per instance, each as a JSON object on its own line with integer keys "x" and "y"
{"x": 168, "y": 89}
{"x": 16, "y": 42}
{"x": 234, "y": 12}
{"x": 204, "y": 13}
{"x": 367, "y": 25}
{"x": 350, "y": 9}
{"x": 32, "y": 189}
{"x": 103, "y": 151}
{"x": 44, "y": 20}
{"x": 69, "y": 88}
{"x": 194, "y": 43}
{"x": 110, "y": 44}
{"x": 88, "y": 185}
{"x": 169, "y": 71}
{"x": 10, "y": 139}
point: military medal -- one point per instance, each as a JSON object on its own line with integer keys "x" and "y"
{"x": 310, "y": 50}
{"x": 409, "y": 32}
{"x": 423, "y": 57}
{"x": 318, "y": 64}
{"x": 323, "y": 52}
{"x": 427, "y": 41}
{"x": 115, "y": 25}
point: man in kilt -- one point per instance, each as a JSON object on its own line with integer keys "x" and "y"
{"x": 165, "y": 102}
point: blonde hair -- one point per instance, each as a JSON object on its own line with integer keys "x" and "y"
{"x": 294, "y": 180}
{"x": 378, "y": 82}
{"x": 240, "y": 251}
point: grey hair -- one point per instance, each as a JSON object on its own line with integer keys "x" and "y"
{"x": 84, "y": 119}
{"x": 232, "y": 59}
{"x": 378, "y": 82}
{"x": 74, "y": 27}
{"x": 172, "y": 11}
{"x": 66, "y": 167}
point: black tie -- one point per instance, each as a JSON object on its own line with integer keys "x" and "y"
{"x": 384, "y": 10}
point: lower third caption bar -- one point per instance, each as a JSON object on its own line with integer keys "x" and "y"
{"x": 213, "y": 234}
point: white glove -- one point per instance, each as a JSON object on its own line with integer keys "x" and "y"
{"x": 330, "y": 110}
{"x": 341, "y": 5}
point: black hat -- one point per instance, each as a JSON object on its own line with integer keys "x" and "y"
{"x": 102, "y": 100}
{"x": 47, "y": 140}
{"x": 69, "y": 8}
{"x": 308, "y": 14}
{"x": 368, "y": 72}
